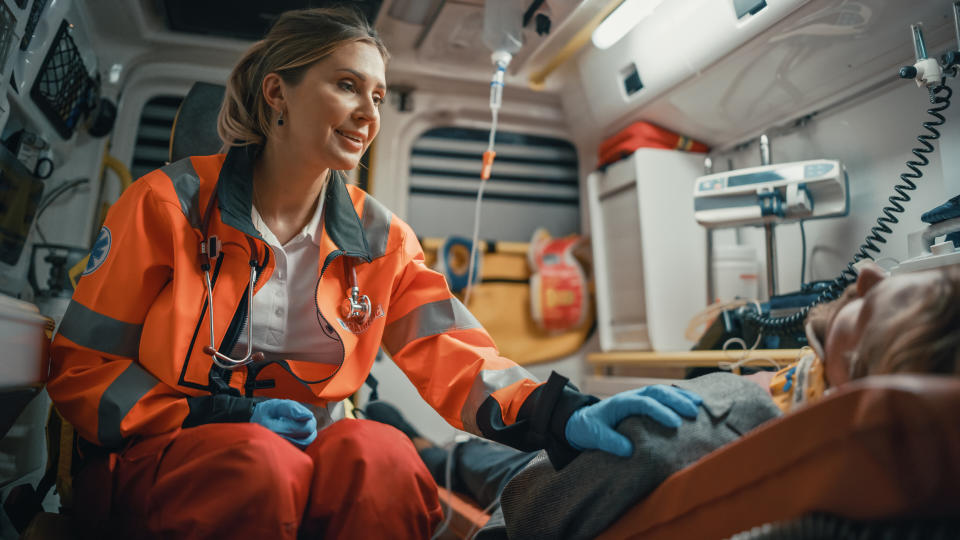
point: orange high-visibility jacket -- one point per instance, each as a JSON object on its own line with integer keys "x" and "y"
{"x": 128, "y": 357}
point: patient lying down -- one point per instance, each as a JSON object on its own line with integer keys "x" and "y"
{"x": 905, "y": 323}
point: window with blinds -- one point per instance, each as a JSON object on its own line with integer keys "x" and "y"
{"x": 533, "y": 184}
{"x": 153, "y": 134}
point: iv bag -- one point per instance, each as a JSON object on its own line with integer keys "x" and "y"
{"x": 503, "y": 25}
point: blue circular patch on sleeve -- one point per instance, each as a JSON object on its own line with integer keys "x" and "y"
{"x": 99, "y": 252}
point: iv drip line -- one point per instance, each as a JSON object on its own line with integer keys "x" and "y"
{"x": 501, "y": 59}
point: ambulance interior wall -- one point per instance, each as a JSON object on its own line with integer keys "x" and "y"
{"x": 873, "y": 139}
{"x": 872, "y": 135}
{"x": 75, "y": 157}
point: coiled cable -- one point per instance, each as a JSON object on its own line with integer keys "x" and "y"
{"x": 940, "y": 98}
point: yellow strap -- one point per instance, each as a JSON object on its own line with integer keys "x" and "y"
{"x": 349, "y": 408}
{"x": 538, "y": 79}
{"x": 126, "y": 179}
{"x": 65, "y": 462}
{"x": 77, "y": 269}
{"x": 117, "y": 166}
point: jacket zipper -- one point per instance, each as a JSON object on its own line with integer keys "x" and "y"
{"x": 253, "y": 370}
{"x": 330, "y": 258}
{"x": 327, "y": 327}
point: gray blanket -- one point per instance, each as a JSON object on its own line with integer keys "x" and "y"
{"x": 596, "y": 488}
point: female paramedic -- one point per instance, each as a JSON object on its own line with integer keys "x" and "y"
{"x": 230, "y": 299}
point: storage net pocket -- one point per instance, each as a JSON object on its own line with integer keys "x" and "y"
{"x": 63, "y": 90}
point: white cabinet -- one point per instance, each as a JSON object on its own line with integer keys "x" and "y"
{"x": 24, "y": 343}
{"x": 649, "y": 253}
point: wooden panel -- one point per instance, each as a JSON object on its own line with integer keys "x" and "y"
{"x": 689, "y": 358}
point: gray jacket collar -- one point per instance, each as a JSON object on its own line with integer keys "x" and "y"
{"x": 235, "y": 200}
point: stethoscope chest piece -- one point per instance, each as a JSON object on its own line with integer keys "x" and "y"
{"x": 355, "y": 308}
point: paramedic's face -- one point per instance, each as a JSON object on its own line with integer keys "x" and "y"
{"x": 333, "y": 114}
{"x": 864, "y": 309}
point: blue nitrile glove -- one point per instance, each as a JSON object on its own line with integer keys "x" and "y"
{"x": 592, "y": 427}
{"x": 288, "y": 419}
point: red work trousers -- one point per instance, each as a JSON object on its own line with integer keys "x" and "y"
{"x": 359, "y": 479}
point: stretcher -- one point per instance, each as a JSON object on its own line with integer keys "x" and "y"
{"x": 879, "y": 449}
{"x": 465, "y": 516}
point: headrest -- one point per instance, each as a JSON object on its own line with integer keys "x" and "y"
{"x": 194, "y": 130}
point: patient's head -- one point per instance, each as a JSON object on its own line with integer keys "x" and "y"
{"x": 905, "y": 323}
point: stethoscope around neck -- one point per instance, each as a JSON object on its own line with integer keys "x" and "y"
{"x": 355, "y": 309}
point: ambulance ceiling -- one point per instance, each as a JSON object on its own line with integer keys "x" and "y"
{"x": 449, "y": 32}
{"x": 243, "y": 19}
{"x": 432, "y": 31}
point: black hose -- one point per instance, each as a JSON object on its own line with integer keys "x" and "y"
{"x": 803, "y": 255}
{"x": 940, "y": 98}
{"x": 52, "y": 196}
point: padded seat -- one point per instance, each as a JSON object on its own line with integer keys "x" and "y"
{"x": 194, "y": 131}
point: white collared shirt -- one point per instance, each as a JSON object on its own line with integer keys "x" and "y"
{"x": 285, "y": 322}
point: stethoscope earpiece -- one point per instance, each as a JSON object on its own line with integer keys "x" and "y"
{"x": 210, "y": 249}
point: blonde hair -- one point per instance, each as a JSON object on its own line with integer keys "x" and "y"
{"x": 922, "y": 338}
{"x": 295, "y": 42}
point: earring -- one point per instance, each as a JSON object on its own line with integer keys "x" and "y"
{"x": 280, "y": 119}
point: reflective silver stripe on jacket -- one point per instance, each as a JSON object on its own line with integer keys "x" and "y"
{"x": 186, "y": 182}
{"x": 117, "y": 400}
{"x": 376, "y": 226}
{"x": 92, "y": 330}
{"x": 428, "y": 320}
{"x": 486, "y": 383}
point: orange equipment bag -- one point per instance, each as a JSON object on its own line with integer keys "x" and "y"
{"x": 558, "y": 287}
{"x": 644, "y": 135}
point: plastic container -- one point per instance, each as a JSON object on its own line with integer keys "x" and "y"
{"x": 736, "y": 272}
{"x": 503, "y": 25}
{"x": 24, "y": 343}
